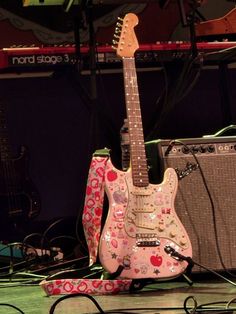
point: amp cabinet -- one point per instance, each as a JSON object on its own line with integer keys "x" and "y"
{"x": 205, "y": 202}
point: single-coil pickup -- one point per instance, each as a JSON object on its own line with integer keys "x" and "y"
{"x": 143, "y": 209}
{"x": 146, "y": 239}
{"x": 145, "y": 224}
{"x": 141, "y": 191}
{"x": 142, "y": 204}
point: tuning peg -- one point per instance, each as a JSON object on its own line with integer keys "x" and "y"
{"x": 116, "y": 36}
{"x": 115, "y": 42}
{"x": 117, "y": 30}
{"x": 120, "y": 19}
{"x": 114, "y": 47}
{"x": 118, "y": 24}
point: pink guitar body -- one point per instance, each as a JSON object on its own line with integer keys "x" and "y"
{"x": 141, "y": 222}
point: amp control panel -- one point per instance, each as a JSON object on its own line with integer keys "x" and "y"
{"x": 210, "y": 146}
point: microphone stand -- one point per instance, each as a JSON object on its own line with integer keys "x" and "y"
{"x": 189, "y": 21}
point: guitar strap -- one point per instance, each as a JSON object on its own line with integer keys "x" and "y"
{"x": 93, "y": 205}
{"x": 91, "y": 219}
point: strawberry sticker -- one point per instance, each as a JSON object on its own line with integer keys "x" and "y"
{"x": 111, "y": 175}
{"x": 156, "y": 260}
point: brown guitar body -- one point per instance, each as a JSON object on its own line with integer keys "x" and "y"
{"x": 19, "y": 198}
{"x": 224, "y": 25}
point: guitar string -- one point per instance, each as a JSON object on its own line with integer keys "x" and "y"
{"x": 137, "y": 154}
{"x": 8, "y": 167}
{"x": 136, "y": 136}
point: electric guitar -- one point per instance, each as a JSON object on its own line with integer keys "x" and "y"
{"x": 19, "y": 198}
{"x": 141, "y": 228}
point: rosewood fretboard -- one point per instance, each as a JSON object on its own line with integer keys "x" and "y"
{"x": 137, "y": 148}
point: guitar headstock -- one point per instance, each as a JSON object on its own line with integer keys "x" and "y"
{"x": 124, "y": 37}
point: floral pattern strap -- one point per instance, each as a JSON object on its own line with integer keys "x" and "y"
{"x": 93, "y": 205}
{"x": 91, "y": 218}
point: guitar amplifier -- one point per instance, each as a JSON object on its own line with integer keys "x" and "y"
{"x": 206, "y": 196}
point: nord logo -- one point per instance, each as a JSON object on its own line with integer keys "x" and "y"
{"x": 38, "y": 59}
{"x": 22, "y": 60}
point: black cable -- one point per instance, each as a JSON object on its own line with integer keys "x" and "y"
{"x": 12, "y": 306}
{"x": 192, "y": 298}
{"x": 181, "y": 88}
{"x": 76, "y": 295}
{"x": 36, "y": 234}
{"x": 20, "y": 284}
{"x": 49, "y": 228}
{"x": 205, "y": 307}
{"x": 193, "y": 82}
{"x": 23, "y": 263}
{"x": 172, "y": 252}
{"x": 222, "y": 55}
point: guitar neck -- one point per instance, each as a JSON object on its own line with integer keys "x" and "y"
{"x": 5, "y": 151}
{"x": 137, "y": 149}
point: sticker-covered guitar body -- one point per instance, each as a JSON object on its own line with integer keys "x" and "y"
{"x": 141, "y": 224}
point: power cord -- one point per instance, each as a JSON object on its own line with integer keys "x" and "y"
{"x": 203, "y": 308}
{"x": 52, "y": 309}
{"x": 12, "y": 306}
{"x": 189, "y": 308}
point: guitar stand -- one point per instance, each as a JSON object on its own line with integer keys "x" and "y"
{"x": 139, "y": 284}
{"x": 176, "y": 255}
{"x": 186, "y": 276}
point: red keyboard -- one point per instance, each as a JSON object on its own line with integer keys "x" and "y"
{"x": 31, "y": 57}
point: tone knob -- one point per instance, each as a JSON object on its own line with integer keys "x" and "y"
{"x": 194, "y": 149}
{"x": 173, "y": 233}
{"x": 161, "y": 226}
{"x": 202, "y": 149}
{"x": 211, "y": 148}
{"x": 185, "y": 149}
{"x": 183, "y": 241}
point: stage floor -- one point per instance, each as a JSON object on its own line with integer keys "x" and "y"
{"x": 166, "y": 297}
